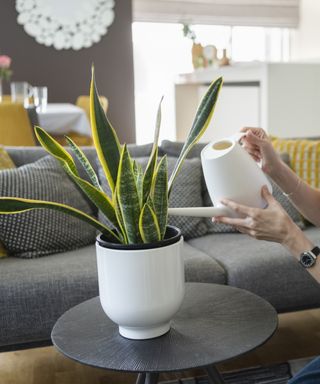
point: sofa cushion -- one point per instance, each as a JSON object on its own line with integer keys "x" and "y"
{"x": 304, "y": 158}
{"x": 201, "y": 268}
{"x": 35, "y": 293}
{"x": 264, "y": 268}
{"x": 186, "y": 192}
{"x": 173, "y": 148}
{"x": 5, "y": 163}
{"x": 43, "y": 232}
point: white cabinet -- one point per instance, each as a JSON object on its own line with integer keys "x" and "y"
{"x": 283, "y": 98}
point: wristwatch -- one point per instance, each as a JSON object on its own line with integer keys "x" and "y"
{"x": 308, "y": 258}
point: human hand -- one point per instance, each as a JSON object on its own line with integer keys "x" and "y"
{"x": 271, "y": 223}
{"x": 258, "y": 145}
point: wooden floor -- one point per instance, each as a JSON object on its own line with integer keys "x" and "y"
{"x": 298, "y": 336}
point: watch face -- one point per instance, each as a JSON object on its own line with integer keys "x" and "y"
{"x": 307, "y": 260}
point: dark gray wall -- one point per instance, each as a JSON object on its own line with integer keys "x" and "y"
{"x": 67, "y": 72}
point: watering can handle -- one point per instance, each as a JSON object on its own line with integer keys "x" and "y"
{"x": 238, "y": 136}
{"x": 200, "y": 211}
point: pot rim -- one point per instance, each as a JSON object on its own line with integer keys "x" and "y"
{"x": 174, "y": 235}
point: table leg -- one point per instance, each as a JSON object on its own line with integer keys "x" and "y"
{"x": 141, "y": 378}
{"x": 214, "y": 376}
{"x": 151, "y": 378}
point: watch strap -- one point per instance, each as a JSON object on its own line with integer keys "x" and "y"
{"x": 315, "y": 251}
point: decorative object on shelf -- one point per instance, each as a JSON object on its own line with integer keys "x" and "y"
{"x": 197, "y": 49}
{"x": 140, "y": 263}
{"x": 210, "y": 55}
{"x": 5, "y": 71}
{"x": 198, "y": 60}
{"x": 224, "y": 59}
{"x": 72, "y": 24}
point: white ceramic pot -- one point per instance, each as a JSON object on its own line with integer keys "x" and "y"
{"x": 141, "y": 289}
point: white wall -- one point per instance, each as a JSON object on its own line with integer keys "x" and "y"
{"x": 305, "y": 43}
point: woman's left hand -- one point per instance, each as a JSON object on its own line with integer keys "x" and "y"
{"x": 271, "y": 223}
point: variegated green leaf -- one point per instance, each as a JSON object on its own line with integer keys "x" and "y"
{"x": 148, "y": 175}
{"x": 98, "y": 197}
{"x": 128, "y": 197}
{"x": 84, "y": 162}
{"x": 200, "y": 124}
{"x": 54, "y": 148}
{"x": 148, "y": 225}
{"x": 138, "y": 175}
{"x": 104, "y": 136}
{"x": 160, "y": 195}
{"x": 149, "y": 172}
{"x": 119, "y": 216}
{"x": 12, "y": 205}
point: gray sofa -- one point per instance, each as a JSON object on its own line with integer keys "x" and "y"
{"x": 34, "y": 293}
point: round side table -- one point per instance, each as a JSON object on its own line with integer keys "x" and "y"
{"x": 215, "y": 323}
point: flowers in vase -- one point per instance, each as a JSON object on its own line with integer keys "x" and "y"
{"x": 5, "y": 71}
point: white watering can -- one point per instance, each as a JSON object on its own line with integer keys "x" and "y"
{"x": 229, "y": 172}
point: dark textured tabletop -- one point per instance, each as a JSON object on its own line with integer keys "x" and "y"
{"x": 214, "y": 324}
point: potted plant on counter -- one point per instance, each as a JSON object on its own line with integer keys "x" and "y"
{"x": 140, "y": 265}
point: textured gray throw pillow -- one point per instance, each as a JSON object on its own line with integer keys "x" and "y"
{"x": 43, "y": 232}
{"x": 186, "y": 192}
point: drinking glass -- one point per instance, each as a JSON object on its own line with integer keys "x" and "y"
{"x": 21, "y": 91}
{"x": 40, "y": 98}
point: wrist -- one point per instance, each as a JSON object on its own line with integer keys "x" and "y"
{"x": 296, "y": 242}
{"x": 279, "y": 170}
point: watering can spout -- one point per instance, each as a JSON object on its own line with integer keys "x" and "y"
{"x": 200, "y": 211}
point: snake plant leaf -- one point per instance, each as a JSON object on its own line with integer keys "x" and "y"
{"x": 160, "y": 195}
{"x": 12, "y": 205}
{"x": 84, "y": 162}
{"x": 148, "y": 175}
{"x": 138, "y": 174}
{"x": 201, "y": 121}
{"x": 128, "y": 197}
{"x": 148, "y": 225}
{"x": 117, "y": 210}
{"x": 54, "y": 148}
{"x": 149, "y": 172}
{"x": 98, "y": 197}
{"x": 104, "y": 136}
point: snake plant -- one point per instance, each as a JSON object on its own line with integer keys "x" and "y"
{"x": 137, "y": 209}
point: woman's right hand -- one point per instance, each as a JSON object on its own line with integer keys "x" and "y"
{"x": 257, "y": 143}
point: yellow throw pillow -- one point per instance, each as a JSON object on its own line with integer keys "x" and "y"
{"x": 5, "y": 163}
{"x": 304, "y": 158}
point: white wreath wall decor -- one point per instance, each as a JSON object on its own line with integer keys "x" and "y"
{"x": 66, "y": 24}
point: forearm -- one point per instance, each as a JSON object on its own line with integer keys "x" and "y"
{"x": 304, "y": 197}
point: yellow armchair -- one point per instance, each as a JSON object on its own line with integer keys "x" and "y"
{"x": 15, "y": 127}
{"x": 84, "y": 103}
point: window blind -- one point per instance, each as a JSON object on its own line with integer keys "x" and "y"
{"x": 267, "y": 13}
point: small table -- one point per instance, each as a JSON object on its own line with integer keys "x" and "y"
{"x": 215, "y": 323}
{"x": 60, "y": 119}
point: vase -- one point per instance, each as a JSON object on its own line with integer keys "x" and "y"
{"x": 141, "y": 286}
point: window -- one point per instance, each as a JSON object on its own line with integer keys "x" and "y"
{"x": 161, "y": 52}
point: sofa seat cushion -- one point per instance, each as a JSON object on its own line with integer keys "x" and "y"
{"x": 34, "y": 293}
{"x": 199, "y": 267}
{"x": 264, "y": 268}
